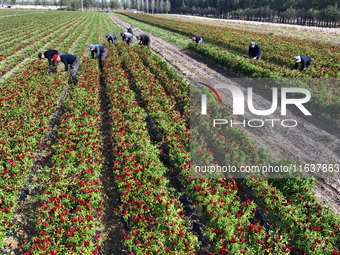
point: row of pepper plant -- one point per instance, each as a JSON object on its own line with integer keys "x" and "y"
{"x": 34, "y": 116}
{"x": 151, "y": 141}
{"x": 24, "y": 44}
{"x": 151, "y": 209}
{"x": 260, "y": 157}
{"x": 68, "y": 219}
{"x": 217, "y": 199}
{"x": 299, "y": 213}
{"x": 70, "y": 200}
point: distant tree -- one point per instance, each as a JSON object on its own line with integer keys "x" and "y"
{"x": 167, "y": 6}
{"x": 87, "y": 3}
{"x": 147, "y": 6}
{"x": 114, "y": 4}
{"x": 153, "y": 6}
{"x": 161, "y": 6}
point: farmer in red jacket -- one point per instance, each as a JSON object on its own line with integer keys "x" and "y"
{"x": 71, "y": 60}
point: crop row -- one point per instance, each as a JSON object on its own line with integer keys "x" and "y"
{"x": 69, "y": 196}
{"x": 15, "y": 51}
{"x": 150, "y": 208}
{"x": 237, "y": 147}
{"x": 34, "y": 116}
{"x": 30, "y": 106}
{"x": 151, "y": 140}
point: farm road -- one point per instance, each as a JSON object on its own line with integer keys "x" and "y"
{"x": 314, "y": 140}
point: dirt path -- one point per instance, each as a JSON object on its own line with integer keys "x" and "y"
{"x": 313, "y": 140}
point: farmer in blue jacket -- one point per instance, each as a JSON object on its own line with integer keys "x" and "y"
{"x": 100, "y": 51}
{"x": 305, "y": 62}
{"x": 254, "y": 51}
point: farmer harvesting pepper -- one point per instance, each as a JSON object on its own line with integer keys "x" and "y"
{"x": 305, "y": 62}
{"x": 100, "y": 51}
{"x": 126, "y": 37}
{"x": 254, "y": 51}
{"x": 49, "y": 55}
{"x": 197, "y": 39}
{"x": 143, "y": 40}
{"x": 71, "y": 60}
{"x": 111, "y": 38}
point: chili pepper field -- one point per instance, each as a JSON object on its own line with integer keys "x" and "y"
{"x": 104, "y": 166}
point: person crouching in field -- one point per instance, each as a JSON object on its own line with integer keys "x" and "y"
{"x": 305, "y": 61}
{"x": 143, "y": 40}
{"x": 111, "y": 38}
{"x": 71, "y": 60}
{"x": 254, "y": 51}
{"x": 126, "y": 37}
{"x": 100, "y": 52}
{"x": 197, "y": 39}
{"x": 49, "y": 55}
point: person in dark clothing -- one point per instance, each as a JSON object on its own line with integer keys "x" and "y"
{"x": 254, "y": 51}
{"x": 198, "y": 39}
{"x": 305, "y": 61}
{"x": 111, "y": 38}
{"x": 143, "y": 40}
{"x": 126, "y": 37}
{"x": 100, "y": 51}
{"x": 71, "y": 60}
{"x": 129, "y": 30}
{"x": 49, "y": 55}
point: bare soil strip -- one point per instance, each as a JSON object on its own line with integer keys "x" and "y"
{"x": 314, "y": 140}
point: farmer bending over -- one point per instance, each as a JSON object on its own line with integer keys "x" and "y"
{"x": 143, "y": 40}
{"x": 305, "y": 61}
{"x": 197, "y": 39}
{"x": 71, "y": 60}
{"x": 100, "y": 52}
{"x": 254, "y": 51}
{"x": 49, "y": 55}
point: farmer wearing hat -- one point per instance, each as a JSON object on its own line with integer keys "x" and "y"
{"x": 111, "y": 38}
{"x": 254, "y": 51}
{"x": 126, "y": 37}
{"x": 71, "y": 60}
{"x": 305, "y": 61}
{"x": 100, "y": 51}
{"x": 143, "y": 40}
{"x": 197, "y": 39}
{"x": 49, "y": 55}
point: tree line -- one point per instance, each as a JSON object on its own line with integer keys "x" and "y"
{"x": 302, "y": 12}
